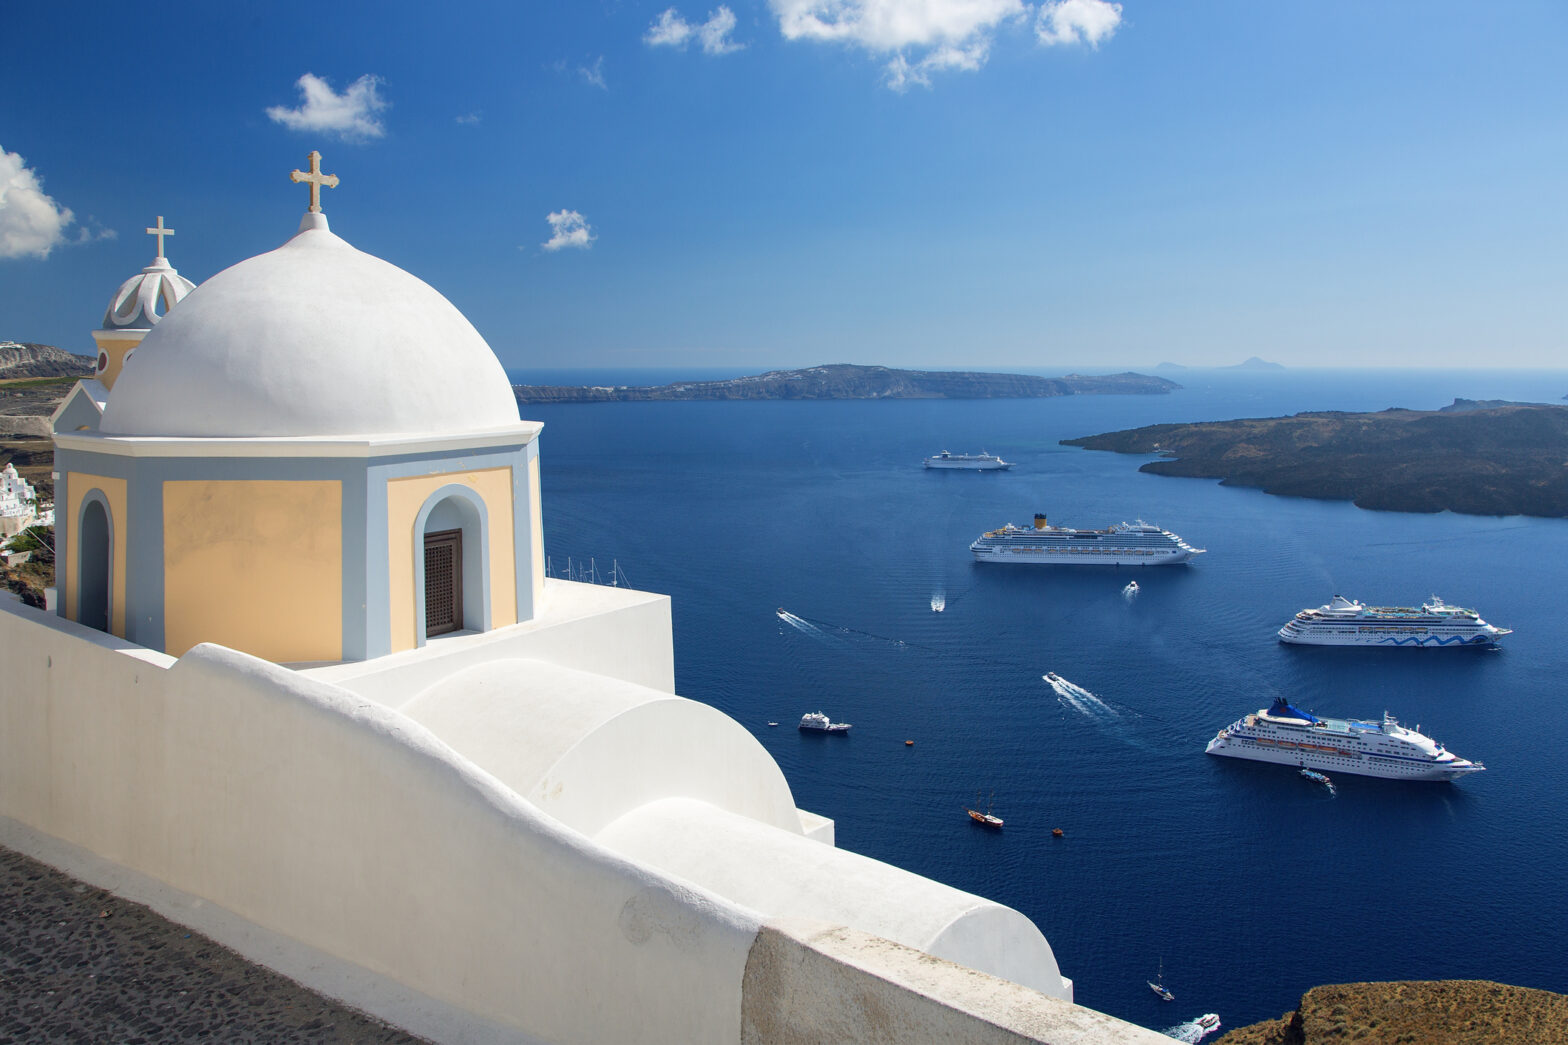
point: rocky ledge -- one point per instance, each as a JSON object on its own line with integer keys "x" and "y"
{"x": 26, "y": 359}
{"x": 1475, "y": 458}
{"x": 1453, "y": 1012}
{"x": 848, "y": 381}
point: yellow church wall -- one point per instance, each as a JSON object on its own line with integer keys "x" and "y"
{"x": 404, "y": 499}
{"x": 255, "y": 565}
{"x": 78, "y": 485}
{"x": 116, "y": 345}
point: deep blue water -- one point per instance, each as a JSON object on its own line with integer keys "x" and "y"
{"x": 1250, "y": 883}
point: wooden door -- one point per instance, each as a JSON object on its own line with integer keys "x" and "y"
{"x": 443, "y": 582}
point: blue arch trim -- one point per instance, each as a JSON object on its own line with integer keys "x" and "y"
{"x": 92, "y": 497}
{"x": 476, "y": 538}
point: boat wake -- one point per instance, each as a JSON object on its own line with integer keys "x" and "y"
{"x": 1080, "y": 700}
{"x": 802, "y": 625}
{"x": 1195, "y": 1030}
{"x": 1116, "y": 721}
{"x": 938, "y": 601}
{"x": 1131, "y": 591}
{"x": 836, "y": 635}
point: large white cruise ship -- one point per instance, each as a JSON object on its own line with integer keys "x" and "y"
{"x": 1136, "y": 544}
{"x": 1345, "y": 622}
{"x": 1285, "y": 734}
{"x": 969, "y": 462}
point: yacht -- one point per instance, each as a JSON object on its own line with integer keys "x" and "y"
{"x": 981, "y": 462}
{"x": 1125, "y": 544}
{"x": 1346, "y": 622}
{"x": 1285, "y": 734}
{"x": 817, "y": 722}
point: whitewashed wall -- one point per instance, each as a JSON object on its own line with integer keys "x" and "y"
{"x": 344, "y": 844}
{"x": 331, "y": 821}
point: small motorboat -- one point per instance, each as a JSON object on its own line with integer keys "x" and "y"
{"x": 1056, "y": 832}
{"x": 772, "y": 723}
{"x": 1208, "y": 1023}
{"x": 817, "y": 722}
{"x": 1318, "y": 778}
{"x": 909, "y": 743}
{"x": 1051, "y": 676}
{"x": 1131, "y": 589}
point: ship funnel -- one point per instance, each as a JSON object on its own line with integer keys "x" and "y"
{"x": 1039, "y": 521}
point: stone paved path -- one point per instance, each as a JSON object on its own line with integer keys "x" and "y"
{"x": 78, "y": 964}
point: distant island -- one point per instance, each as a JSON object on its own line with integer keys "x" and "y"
{"x": 1251, "y": 363}
{"x": 1254, "y": 363}
{"x": 848, "y": 381}
{"x": 1478, "y": 458}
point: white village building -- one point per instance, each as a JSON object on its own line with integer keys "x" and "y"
{"x": 19, "y": 507}
{"x": 310, "y": 692}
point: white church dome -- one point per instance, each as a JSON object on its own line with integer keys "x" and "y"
{"x": 314, "y": 338}
{"x": 143, "y": 299}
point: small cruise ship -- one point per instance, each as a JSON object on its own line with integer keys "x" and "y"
{"x": 971, "y": 462}
{"x": 1346, "y": 622}
{"x": 817, "y": 722}
{"x": 1134, "y": 544}
{"x": 1287, "y": 735}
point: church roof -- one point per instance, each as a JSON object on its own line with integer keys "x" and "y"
{"x": 143, "y": 299}
{"x": 314, "y": 338}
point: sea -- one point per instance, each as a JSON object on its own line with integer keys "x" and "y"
{"x": 814, "y": 564}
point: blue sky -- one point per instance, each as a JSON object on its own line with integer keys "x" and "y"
{"x": 1069, "y": 184}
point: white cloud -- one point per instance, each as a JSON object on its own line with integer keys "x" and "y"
{"x": 569, "y": 229}
{"x": 469, "y": 120}
{"x": 923, "y": 36}
{"x": 715, "y": 32}
{"x": 903, "y": 74}
{"x": 892, "y": 25}
{"x": 671, "y": 30}
{"x": 1077, "y": 21}
{"x": 594, "y": 74}
{"x": 350, "y": 115}
{"x": 31, "y": 222}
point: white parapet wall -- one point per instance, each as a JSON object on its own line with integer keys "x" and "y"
{"x": 343, "y": 843}
{"x": 330, "y": 822}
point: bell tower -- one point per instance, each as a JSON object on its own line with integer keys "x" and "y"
{"x": 140, "y": 302}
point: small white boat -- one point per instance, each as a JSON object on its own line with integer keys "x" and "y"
{"x": 1052, "y": 677}
{"x": 1131, "y": 589}
{"x": 1157, "y": 985}
{"x": 1208, "y": 1023}
{"x": 817, "y": 722}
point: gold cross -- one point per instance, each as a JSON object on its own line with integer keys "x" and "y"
{"x": 316, "y": 180}
{"x": 160, "y": 232}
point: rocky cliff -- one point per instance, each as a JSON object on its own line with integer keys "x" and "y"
{"x": 26, "y": 359}
{"x": 1435, "y": 1012}
{"x": 1479, "y": 459}
{"x": 848, "y": 381}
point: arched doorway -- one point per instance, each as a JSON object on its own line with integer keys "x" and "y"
{"x": 93, "y": 566}
{"x": 452, "y": 586}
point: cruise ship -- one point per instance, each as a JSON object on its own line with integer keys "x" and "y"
{"x": 1136, "y": 544}
{"x": 1285, "y": 734}
{"x": 1346, "y": 622}
{"x": 971, "y": 462}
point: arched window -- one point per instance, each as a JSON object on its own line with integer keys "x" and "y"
{"x": 452, "y": 572}
{"x": 94, "y": 564}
